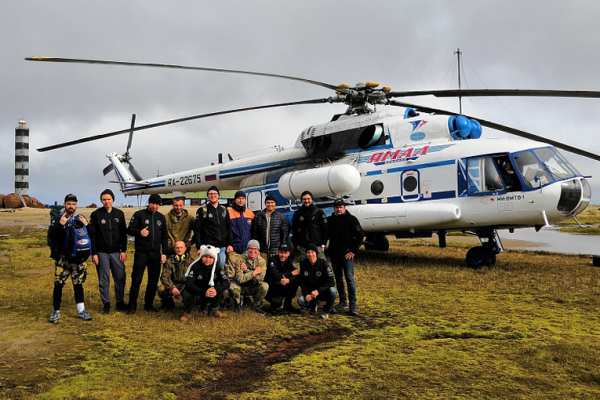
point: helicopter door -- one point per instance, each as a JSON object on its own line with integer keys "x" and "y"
{"x": 410, "y": 188}
{"x": 255, "y": 200}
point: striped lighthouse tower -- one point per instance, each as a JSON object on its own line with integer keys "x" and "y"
{"x": 22, "y": 159}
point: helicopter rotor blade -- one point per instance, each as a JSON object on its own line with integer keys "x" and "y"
{"x": 504, "y": 128}
{"x": 175, "y": 66}
{"x": 175, "y": 121}
{"x": 107, "y": 169}
{"x": 130, "y": 133}
{"x": 498, "y": 93}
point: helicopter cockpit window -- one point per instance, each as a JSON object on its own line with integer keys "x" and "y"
{"x": 483, "y": 176}
{"x": 554, "y": 164}
{"x": 566, "y": 162}
{"x": 533, "y": 173}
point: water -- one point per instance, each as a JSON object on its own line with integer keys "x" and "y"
{"x": 555, "y": 241}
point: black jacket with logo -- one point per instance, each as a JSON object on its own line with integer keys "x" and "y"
{"x": 213, "y": 226}
{"x": 277, "y": 270}
{"x": 157, "y": 227}
{"x": 198, "y": 279}
{"x": 309, "y": 225}
{"x": 317, "y": 276}
{"x": 345, "y": 234}
{"x": 108, "y": 231}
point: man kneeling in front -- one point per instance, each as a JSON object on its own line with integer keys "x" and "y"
{"x": 205, "y": 284}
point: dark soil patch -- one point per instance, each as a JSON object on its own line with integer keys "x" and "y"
{"x": 241, "y": 372}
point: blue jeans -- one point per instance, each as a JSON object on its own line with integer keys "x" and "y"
{"x": 328, "y": 297}
{"x": 222, "y": 257}
{"x": 344, "y": 268}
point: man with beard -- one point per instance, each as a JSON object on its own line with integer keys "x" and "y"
{"x": 180, "y": 225}
{"x": 66, "y": 264}
{"x": 309, "y": 225}
{"x": 149, "y": 228}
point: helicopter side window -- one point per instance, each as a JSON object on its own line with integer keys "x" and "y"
{"x": 534, "y": 174}
{"x": 483, "y": 176}
{"x": 507, "y": 173}
{"x": 554, "y": 164}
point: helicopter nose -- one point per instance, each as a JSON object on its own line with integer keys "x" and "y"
{"x": 575, "y": 196}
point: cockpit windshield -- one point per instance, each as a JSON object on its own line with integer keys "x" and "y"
{"x": 542, "y": 166}
{"x": 554, "y": 164}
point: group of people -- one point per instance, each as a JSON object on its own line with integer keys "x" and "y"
{"x": 243, "y": 258}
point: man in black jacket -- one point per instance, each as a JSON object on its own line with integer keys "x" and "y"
{"x": 108, "y": 232}
{"x": 283, "y": 279}
{"x": 205, "y": 284}
{"x": 345, "y": 237}
{"x": 270, "y": 228}
{"x": 213, "y": 226}
{"x": 317, "y": 283}
{"x": 309, "y": 225}
{"x": 149, "y": 227}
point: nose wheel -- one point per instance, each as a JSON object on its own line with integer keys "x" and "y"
{"x": 485, "y": 255}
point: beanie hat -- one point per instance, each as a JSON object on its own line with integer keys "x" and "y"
{"x": 208, "y": 250}
{"x": 312, "y": 246}
{"x": 239, "y": 193}
{"x": 108, "y": 192}
{"x": 253, "y": 243}
{"x": 216, "y": 189}
{"x": 306, "y": 192}
{"x": 270, "y": 197}
{"x": 155, "y": 199}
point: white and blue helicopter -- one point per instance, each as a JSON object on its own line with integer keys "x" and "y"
{"x": 407, "y": 170}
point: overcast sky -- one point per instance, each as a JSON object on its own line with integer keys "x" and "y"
{"x": 407, "y": 45}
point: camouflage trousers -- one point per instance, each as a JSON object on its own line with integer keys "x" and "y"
{"x": 63, "y": 269}
{"x": 257, "y": 292}
{"x": 165, "y": 294}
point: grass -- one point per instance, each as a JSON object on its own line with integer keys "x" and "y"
{"x": 589, "y": 217}
{"x": 429, "y": 328}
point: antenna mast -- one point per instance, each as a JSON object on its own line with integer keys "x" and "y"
{"x": 458, "y": 54}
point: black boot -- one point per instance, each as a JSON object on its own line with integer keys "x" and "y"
{"x": 106, "y": 309}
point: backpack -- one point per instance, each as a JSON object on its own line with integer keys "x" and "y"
{"x": 78, "y": 245}
{"x": 55, "y": 211}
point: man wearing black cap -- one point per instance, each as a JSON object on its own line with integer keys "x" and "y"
{"x": 213, "y": 226}
{"x": 309, "y": 225}
{"x": 270, "y": 228}
{"x": 149, "y": 228}
{"x": 241, "y": 222}
{"x": 108, "y": 232}
{"x": 68, "y": 259}
{"x": 283, "y": 279}
{"x": 317, "y": 283}
{"x": 345, "y": 237}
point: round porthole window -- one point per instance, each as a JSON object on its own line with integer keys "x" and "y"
{"x": 377, "y": 188}
{"x": 410, "y": 184}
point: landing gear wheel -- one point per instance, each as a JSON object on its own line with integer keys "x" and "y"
{"x": 479, "y": 257}
{"x": 379, "y": 243}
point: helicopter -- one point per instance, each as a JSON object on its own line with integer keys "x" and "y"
{"x": 403, "y": 169}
